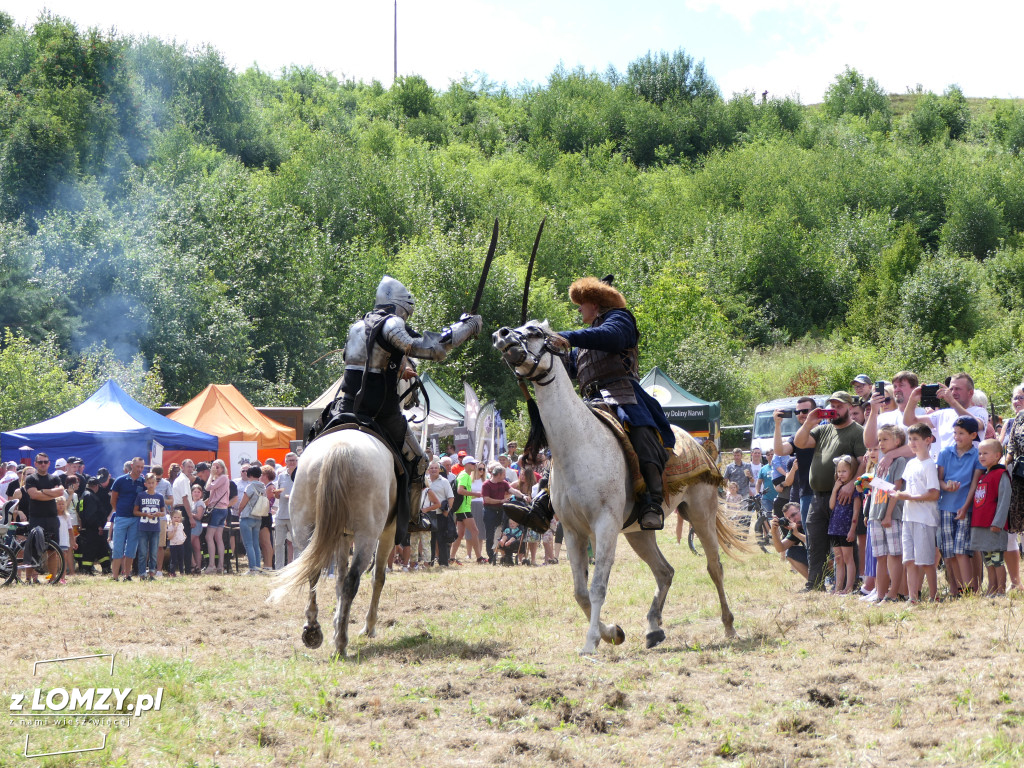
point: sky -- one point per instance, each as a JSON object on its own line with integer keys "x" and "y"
{"x": 787, "y": 47}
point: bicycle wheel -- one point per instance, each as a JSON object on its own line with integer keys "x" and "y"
{"x": 694, "y": 542}
{"x": 8, "y": 565}
{"x": 55, "y": 557}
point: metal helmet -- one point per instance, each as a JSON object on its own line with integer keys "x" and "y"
{"x": 393, "y": 293}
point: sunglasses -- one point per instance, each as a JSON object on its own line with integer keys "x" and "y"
{"x": 40, "y": 461}
{"x": 803, "y": 410}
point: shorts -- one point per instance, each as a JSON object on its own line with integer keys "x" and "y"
{"x": 799, "y": 554}
{"x": 1012, "y": 543}
{"x": 460, "y": 517}
{"x": 886, "y": 541}
{"x": 993, "y": 559}
{"x": 840, "y": 541}
{"x": 162, "y": 539}
{"x": 50, "y": 526}
{"x": 954, "y": 535}
{"x": 919, "y": 543}
{"x": 266, "y": 522}
{"x": 218, "y": 517}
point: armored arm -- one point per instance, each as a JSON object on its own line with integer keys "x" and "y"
{"x": 431, "y": 345}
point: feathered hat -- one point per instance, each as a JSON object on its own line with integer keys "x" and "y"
{"x": 601, "y": 293}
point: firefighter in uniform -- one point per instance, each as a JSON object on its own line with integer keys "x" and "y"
{"x": 375, "y": 359}
{"x": 604, "y": 359}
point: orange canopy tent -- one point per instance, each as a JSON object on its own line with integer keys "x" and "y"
{"x": 223, "y": 411}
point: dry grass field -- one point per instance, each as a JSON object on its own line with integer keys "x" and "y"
{"x": 479, "y": 666}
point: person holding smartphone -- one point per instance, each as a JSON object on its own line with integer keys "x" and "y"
{"x": 838, "y": 437}
{"x": 958, "y": 396}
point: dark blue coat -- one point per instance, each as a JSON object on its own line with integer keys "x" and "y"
{"x": 618, "y": 332}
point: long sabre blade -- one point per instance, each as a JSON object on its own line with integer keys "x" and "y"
{"x": 529, "y": 270}
{"x": 487, "y": 268}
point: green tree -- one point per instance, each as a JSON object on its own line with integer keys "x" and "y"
{"x": 851, "y": 94}
{"x": 663, "y": 77}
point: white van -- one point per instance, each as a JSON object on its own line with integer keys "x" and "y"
{"x": 762, "y": 435}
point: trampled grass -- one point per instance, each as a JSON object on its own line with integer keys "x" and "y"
{"x": 479, "y": 666}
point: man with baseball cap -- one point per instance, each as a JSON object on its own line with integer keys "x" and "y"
{"x": 830, "y": 439}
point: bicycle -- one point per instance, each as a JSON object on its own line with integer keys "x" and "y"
{"x": 12, "y": 558}
{"x": 741, "y": 520}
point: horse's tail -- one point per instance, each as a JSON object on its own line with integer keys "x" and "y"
{"x": 332, "y": 483}
{"x": 730, "y": 539}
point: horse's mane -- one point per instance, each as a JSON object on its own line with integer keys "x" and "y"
{"x": 537, "y": 439}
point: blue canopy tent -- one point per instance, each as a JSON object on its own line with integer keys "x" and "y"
{"x": 105, "y": 431}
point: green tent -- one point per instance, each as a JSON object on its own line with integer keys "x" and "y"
{"x": 700, "y": 418}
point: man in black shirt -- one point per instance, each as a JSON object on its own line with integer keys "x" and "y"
{"x": 43, "y": 489}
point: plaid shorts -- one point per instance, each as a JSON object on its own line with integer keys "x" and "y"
{"x": 954, "y": 535}
{"x": 886, "y": 541}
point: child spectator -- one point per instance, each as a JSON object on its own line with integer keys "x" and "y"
{"x": 198, "y": 512}
{"x": 920, "y": 513}
{"x": 885, "y": 524}
{"x": 959, "y": 469}
{"x": 176, "y": 539}
{"x": 149, "y": 508}
{"x": 990, "y": 510}
{"x": 866, "y": 564}
{"x": 509, "y": 543}
{"x": 842, "y": 526}
{"x": 64, "y": 533}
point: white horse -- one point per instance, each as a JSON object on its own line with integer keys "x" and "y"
{"x": 345, "y": 487}
{"x": 591, "y": 490}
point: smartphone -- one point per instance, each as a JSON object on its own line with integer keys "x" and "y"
{"x": 880, "y": 388}
{"x": 929, "y": 396}
{"x": 786, "y": 413}
{"x": 827, "y": 414}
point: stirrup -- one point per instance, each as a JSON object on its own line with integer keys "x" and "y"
{"x": 652, "y": 518}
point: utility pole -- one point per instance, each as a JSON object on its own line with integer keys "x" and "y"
{"x": 396, "y": 41}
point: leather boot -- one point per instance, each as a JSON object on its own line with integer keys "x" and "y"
{"x": 652, "y": 515}
{"x": 537, "y": 517}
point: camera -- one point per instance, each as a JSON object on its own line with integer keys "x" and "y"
{"x": 827, "y": 414}
{"x": 930, "y": 396}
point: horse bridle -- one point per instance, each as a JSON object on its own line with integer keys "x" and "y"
{"x": 549, "y": 348}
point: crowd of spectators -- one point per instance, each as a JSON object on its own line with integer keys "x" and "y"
{"x": 138, "y": 523}
{"x": 461, "y": 508}
{"x": 878, "y": 491}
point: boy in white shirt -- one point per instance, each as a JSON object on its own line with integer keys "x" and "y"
{"x": 920, "y": 492}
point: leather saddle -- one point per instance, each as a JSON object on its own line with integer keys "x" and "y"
{"x": 333, "y": 419}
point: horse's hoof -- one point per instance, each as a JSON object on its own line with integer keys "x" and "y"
{"x": 731, "y": 633}
{"x": 368, "y": 632}
{"x": 618, "y": 636}
{"x": 312, "y": 636}
{"x": 655, "y": 638}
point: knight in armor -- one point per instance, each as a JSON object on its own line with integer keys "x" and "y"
{"x": 375, "y": 360}
{"x": 604, "y": 359}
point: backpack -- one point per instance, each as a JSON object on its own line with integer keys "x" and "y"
{"x": 458, "y": 500}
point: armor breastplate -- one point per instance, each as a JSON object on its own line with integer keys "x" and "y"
{"x": 380, "y": 390}
{"x": 608, "y": 375}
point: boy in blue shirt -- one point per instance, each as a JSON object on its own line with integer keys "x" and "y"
{"x": 149, "y": 508}
{"x": 958, "y": 469}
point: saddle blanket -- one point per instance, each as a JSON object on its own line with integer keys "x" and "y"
{"x": 688, "y": 462}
